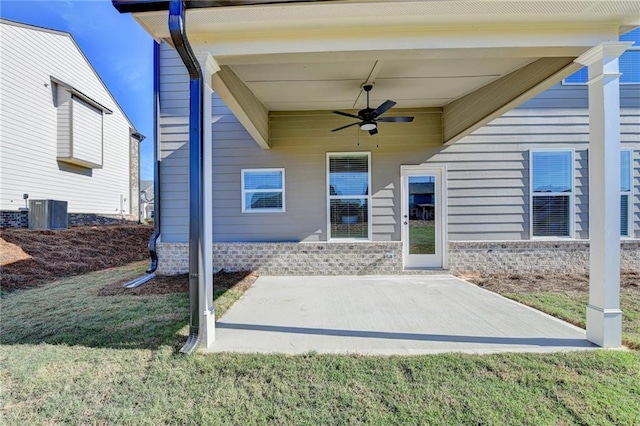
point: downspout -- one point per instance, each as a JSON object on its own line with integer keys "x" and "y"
{"x": 150, "y": 273}
{"x": 181, "y": 44}
{"x": 156, "y": 160}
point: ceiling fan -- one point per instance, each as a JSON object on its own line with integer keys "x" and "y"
{"x": 369, "y": 117}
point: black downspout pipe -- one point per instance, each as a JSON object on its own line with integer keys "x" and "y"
{"x": 150, "y": 273}
{"x": 181, "y": 44}
{"x": 156, "y": 160}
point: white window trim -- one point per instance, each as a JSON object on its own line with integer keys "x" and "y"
{"x": 572, "y": 218}
{"x": 630, "y": 204}
{"x": 244, "y": 191}
{"x": 337, "y": 197}
{"x": 625, "y": 83}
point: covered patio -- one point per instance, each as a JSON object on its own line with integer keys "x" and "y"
{"x": 470, "y": 61}
{"x": 386, "y": 315}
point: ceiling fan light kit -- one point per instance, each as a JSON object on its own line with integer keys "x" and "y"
{"x": 369, "y": 117}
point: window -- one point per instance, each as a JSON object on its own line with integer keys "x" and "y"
{"x": 348, "y": 183}
{"x": 263, "y": 190}
{"x": 626, "y": 189}
{"x": 629, "y": 63}
{"x": 551, "y": 193}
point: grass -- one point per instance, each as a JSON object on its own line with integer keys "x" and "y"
{"x": 422, "y": 239}
{"x": 71, "y": 356}
{"x": 570, "y": 306}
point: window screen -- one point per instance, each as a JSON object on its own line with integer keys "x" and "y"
{"x": 263, "y": 190}
{"x": 348, "y": 195}
{"x": 551, "y": 193}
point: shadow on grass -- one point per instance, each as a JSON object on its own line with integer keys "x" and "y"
{"x": 75, "y": 311}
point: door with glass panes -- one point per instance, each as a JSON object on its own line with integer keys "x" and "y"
{"x": 423, "y": 213}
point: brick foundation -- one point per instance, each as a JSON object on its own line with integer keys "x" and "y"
{"x": 14, "y": 218}
{"x": 533, "y": 256}
{"x": 20, "y": 219}
{"x": 386, "y": 257}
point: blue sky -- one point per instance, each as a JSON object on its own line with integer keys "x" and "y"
{"x": 117, "y": 47}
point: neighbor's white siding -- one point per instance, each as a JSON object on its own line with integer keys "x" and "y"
{"x": 29, "y": 123}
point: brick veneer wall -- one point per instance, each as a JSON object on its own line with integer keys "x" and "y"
{"x": 533, "y": 256}
{"x": 14, "y": 219}
{"x": 291, "y": 258}
{"x": 386, "y": 257}
{"x": 20, "y": 219}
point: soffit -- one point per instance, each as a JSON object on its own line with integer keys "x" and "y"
{"x": 393, "y": 12}
{"x": 411, "y": 83}
{"x": 317, "y": 56}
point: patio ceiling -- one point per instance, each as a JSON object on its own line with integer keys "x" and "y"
{"x": 473, "y": 59}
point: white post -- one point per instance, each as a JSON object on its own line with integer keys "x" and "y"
{"x": 208, "y": 319}
{"x": 604, "y": 317}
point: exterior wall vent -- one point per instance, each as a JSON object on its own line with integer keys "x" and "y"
{"x": 48, "y": 214}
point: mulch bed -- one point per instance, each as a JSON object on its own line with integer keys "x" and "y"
{"x": 73, "y": 251}
{"x": 240, "y": 280}
{"x": 536, "y": 283}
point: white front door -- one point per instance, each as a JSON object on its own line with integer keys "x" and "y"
{"x": 423, "y": 216}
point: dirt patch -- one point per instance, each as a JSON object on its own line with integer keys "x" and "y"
{"x": 10, "y": 253}
{"x": 222, "y": 281}
{"x": 536, "y": 283}
{"x": 66, "y": 252}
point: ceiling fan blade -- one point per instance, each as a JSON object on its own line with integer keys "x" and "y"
{"x": 346, "y": 114}
{"x": 395, "y": 119}
{"x": 386, "y": 106}
{"x": 373, "y": 131}
{"x": 344, "y": 127}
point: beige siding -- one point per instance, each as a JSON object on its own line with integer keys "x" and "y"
{"x": 29, "y": 117}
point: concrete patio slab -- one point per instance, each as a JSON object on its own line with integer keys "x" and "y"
{"x": 386, "y": 315}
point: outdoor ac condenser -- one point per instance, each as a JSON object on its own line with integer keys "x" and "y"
{"x": 48, "y": 214}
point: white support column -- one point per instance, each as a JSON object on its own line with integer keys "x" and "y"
{"x": 604, "y": 317}
{"x": 208, "y": 318}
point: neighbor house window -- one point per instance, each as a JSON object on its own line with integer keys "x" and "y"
{"x": 628, "y": 63}
{"x": 626, "y": 189}
{"x": 551, "y": 193}
{"x": 263, "y": 190}
{"x": 348, "y": 195}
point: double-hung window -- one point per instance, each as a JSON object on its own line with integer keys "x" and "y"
{"x": 348, "y": 195}
{"x": 626, "y": 192}
{"x": 263, "y": 191}
{"x": 551, "y": 193}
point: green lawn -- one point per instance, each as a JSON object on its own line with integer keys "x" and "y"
{"x": 71, "y": 356}
{"x": 422, "y": 239}
{"x": 570, "y": 306}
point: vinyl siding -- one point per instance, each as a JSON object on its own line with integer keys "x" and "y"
{"x": 487, "y": 171}
{"x": 494, "y": 160}
{"x": 30, "y": 131}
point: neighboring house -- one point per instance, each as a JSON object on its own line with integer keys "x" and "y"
{"x": 529, "y": 173}
{"x": 146, "y": 200}
{"x": 64, "y": 137}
